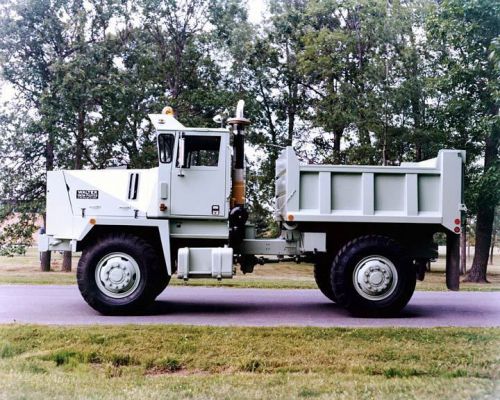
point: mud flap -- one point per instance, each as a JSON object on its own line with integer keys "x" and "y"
{"x": 452, "y": 261}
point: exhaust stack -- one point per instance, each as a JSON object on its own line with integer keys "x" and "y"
{"x": 238, "y": 215}
{"x": 238, "y": 124}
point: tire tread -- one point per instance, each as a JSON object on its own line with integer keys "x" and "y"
{"x": 155, "y": 274}
{"x": 341, "y": 278}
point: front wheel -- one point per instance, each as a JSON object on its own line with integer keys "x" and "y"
{"x": 372, "y": 276}
{"x": 119, "y": 274}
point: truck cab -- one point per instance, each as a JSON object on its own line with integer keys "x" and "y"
{"x": 196, "y": 183}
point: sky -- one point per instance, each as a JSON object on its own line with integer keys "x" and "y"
{"x": 255, "y": 10}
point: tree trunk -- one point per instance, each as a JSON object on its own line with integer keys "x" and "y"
{"x": 463, "y": 250}
{"x": 477, "y": 273}
{"x": 486, "y": 212}
{"x": 49, "y": 166}
{"x": 80, "y": 137}
{"x": 336, "y": 146}
{"x": 45, "y": 261}
{"x": 492, "y": 249}
{"x": 66, "y": 265}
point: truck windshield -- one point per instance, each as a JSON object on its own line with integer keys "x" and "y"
{"x": 165, "y": 148}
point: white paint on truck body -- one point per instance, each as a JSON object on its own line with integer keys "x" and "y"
{"x": 429, "y": 192}
{"x": 188, "y": 203}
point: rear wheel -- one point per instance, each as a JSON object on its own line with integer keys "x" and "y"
{"x": 372, "y": 276}
{"x": 322, "y": 273}
{"x": 120, "y": 274}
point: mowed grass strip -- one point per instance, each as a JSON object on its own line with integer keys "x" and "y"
{"x": 234, "y": 362}
{"x": 25, "y": 269}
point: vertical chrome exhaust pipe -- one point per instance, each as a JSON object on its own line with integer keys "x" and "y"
{"x": 238, "y": 124}
{"x": 238, "y": 215}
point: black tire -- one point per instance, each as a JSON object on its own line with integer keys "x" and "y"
{"x": 322, "y": 273}
{"x": 162, "y": 282}
{"x": 151, "y": 272}
{"x": 358, "y": 254}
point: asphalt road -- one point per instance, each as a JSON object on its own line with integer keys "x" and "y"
{"x": 63, "y": 305}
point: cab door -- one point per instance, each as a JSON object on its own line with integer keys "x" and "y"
{"x": 198, "y": 186}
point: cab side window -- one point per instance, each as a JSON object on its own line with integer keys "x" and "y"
{"x": 202, "y": 151}
{"x": 165, "y": 148}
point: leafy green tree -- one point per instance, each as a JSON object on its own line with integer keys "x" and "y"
{"x": 20, "y": 156}
{"x": 342, "y": 68}
{"x": 277, "y": 96}
{"x": 89, "y": 72}
{"x": 364, "y": 63}
{"x": 31, "y": 41}
{"x": 463, "y": 34}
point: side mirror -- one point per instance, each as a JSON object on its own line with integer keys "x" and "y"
{"x": 181, "y": 157}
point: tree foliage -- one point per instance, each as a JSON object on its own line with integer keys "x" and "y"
{"x": 343, "y": 81}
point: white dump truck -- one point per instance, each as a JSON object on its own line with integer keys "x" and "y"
{"x": 368, "y": 230}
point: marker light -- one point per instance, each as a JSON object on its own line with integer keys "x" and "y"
{"x": 92, "y": 221}
{"x": 457, "y": 229}
{"x": 290, "y": 217}
{"x": 457, "y": 221}
{"x": 168, "y": 111}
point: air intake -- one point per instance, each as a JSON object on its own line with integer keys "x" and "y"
{"x": 133, "y": 186}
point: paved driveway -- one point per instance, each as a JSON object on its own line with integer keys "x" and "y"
{"x": 246, "y": 307}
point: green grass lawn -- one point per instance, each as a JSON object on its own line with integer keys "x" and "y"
{"x": 182, "y": 362}
{"x": 150, "y": 362}
{"x": 26, "y": 270}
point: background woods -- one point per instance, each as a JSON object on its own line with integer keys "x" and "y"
{"x": 370, "y": 81}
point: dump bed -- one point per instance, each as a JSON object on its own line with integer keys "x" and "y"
{"x": 428, "y": 192}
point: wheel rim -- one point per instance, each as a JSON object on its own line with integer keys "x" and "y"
{"x": 375, "y": 277}
{"x": 117, "y": 275}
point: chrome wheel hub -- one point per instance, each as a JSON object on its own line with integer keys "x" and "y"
{"x": 117, "y": 275}
{"x": 375, "y": 277}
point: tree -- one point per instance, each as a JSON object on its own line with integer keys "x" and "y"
{"x": 89, "y": 75}
{"x": 463, "y": 35}
{"x": 31, "y": 36}
{"x": 361, "y": 63}
{"x": 266, "y": 75}
{"x": 20, "y": 156}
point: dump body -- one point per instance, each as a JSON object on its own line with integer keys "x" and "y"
{"x": 428, "y": 192}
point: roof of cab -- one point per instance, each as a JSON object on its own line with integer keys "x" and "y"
{"x": 165, "y": 122}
